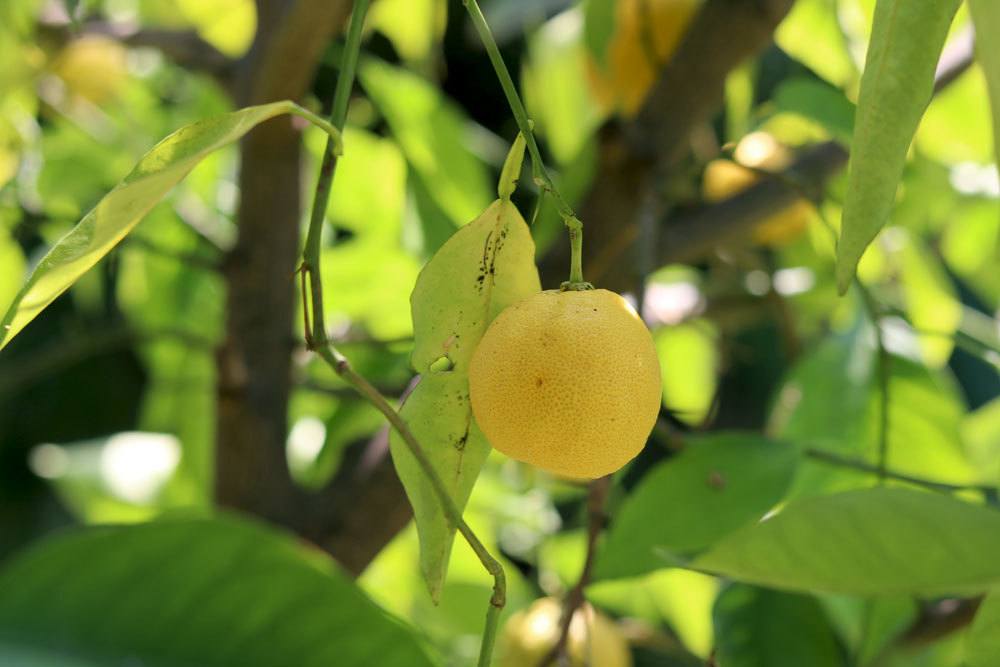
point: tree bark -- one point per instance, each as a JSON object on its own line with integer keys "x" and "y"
{"x": 255, "y": 360}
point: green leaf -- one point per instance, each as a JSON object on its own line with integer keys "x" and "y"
{"x": 982, "y": 646}
{"x": 756, "y": 627}
{"x": 484, "y": 267}
{"x": 907, "y": 39}
{"x": 552, "y": 79}
{"x": 12, "y": 266}
{"x": 986, "y": 19}
{"x": 819, "y": 102}
{"x": 719, "y": 483}
{"x": 434, "y": 135}
{"x": 206, "y": 592}
{"x": 598, "y": 27}
{"x": 689, "y": 363}
{"x": 121, "y": 209}
{"x": 878, "y": 541}
{"x": 811, "y": 34}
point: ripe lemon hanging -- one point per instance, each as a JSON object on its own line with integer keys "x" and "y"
{"x": 568, "y": 381}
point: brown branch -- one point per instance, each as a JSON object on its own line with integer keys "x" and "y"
{"x": 694, "y": 235}
{"x": 597, "y": 497}
{"x": 183, "y": 47}
{"x": 635, "y": 159}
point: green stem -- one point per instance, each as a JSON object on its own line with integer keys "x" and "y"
{"x": 342, "y": 367}
{"x": 316, "y": 338}
{"x": 524, "y": 124}
{"x": 321, "y": 198}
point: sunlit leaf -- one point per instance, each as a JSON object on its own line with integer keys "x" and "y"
{"x": 983, "y": 642}
{"x": 209, "y": 592}
{"x": 689, "y": 364}
{"x": 552, "y": 79}
{"x": 433, "y": 134}
{"x": 228, "y": 25}
{"x": 12, "y": 267}
{"x": 122, "y": 208}
{"x": 986, "y": 18}
{"x": 598, "y": 27}
{"x": 812, "y": 35}
{"x": 867, "y": 542}
{"x": 719, "y": 483}
{"x": 484, "y": 267}
{"x": 413, "y": 26}
{"x": 957, "y": 126}
{"x": 756, "y": 627}
{"x": 895, "y": 89}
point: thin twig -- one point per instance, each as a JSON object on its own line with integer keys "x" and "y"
{"x": 317, "y": 340}
{"x": 884, "y": 374}
{"x": 524, "y": 124}
{"x": 989, "y": 492}
{"x": 596, "y": 499}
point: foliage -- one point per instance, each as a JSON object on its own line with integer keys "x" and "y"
{"x": 821, "y": 484}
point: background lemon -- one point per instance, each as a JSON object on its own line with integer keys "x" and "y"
{"x": 567, "y": 381}
{"x": 594, "y": 639}
{"x": 92, "y": 67}
{"x": 723, "y": 179}
{"x": 646, "y": 34}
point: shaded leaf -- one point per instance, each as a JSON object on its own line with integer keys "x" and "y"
{"x": 874, "y": 541}
{"x": 484, "y": 267}
{"x": 756, "y": 627}
{"x": 819, "y": 102}
{"x": 207, "y": 592}
{"x": 122, "y": 208}
{"x": 898, "y": 80}
{"x": 717, "y": 484}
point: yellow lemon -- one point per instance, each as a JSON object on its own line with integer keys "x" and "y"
{"x": 567, "y": 381}
{"x": 723, "y": 179}
{"x": 92, "y": 67}
{"x": 646, "y": 34}
{"x": 594, "y": 639}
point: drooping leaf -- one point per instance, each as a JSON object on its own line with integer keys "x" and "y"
{"x": 986, "y": 19}
{"x": 207, "y": 592}
{"x": 484, "y": 267}
{"x": 757, "y": 627}
{"x": 717, "y": 484}
{"x": 877, "y": 541}
{"x": 122, "y": 208}
{"x": 898, "y": 80}
{"x": 434, "y": 135}
{"x": 982, "y": 646}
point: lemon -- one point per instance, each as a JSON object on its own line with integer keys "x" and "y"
{"x": 646, "y": 34}
{"x": 594, "y": 639}
{"x": 723, "y": 179}
{"x": 567, "y": 381}
{"x": 92, "y": 67}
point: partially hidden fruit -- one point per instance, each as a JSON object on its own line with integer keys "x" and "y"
{"x": 646, "y": 34}
{"x": 594, "y": 639}
{"x": 567, "y": 381}
{"x": 92, "y": 67}
{"x": 723, "y": 179}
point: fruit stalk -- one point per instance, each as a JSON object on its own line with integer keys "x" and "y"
{"x": 541, "y": 175}
{"x": 317, "y": 340}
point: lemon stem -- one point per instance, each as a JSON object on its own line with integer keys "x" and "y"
{"x": 541, "y": 175}
{"x": 317, "y": 340}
